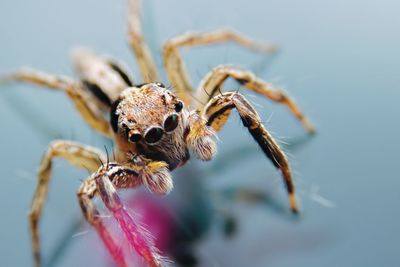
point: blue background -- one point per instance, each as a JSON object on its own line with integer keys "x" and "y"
{"x": 339, "y": 60}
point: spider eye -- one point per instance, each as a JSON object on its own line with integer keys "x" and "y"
{"x": 179, "y": 106}
{"x": 154, "y": 135}
{"x": 134, "y": 138}
{"x": 160, "y": 85}
{"x": 171, "y": 123}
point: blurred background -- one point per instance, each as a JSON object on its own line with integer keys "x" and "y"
{"x": 338, "y": 59}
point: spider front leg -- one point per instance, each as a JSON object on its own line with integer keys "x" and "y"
{"x": 175, "y": 66}
{"x": 107, "y": 179}
{"x": 214, "y": 80}
{"x": 217, "y": 112}
{"x": 79, "y": 156}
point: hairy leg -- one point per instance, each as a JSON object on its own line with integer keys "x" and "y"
{"x": 175, "y": 66}
{"x": 90, "y": 112}
{"x": 107, "y": 181}
{"x": 85, "y": 195}
{"x": 214, "y": 80}
{"x": 79, "y": 156}
{"x": 217, "y": 112}
{"x": 138, "y": 45}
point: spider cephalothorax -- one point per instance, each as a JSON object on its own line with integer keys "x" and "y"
{"x": 149, "y": 120}
{"x": 154, "y": 128}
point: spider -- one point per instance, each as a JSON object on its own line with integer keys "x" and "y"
{"x": 153, "y": 128}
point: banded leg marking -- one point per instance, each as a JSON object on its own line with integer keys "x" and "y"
{"x": 217, "y": 112}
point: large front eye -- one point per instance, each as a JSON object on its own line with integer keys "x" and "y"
{"x": 171, "y": 123}
{"x": 154, "y": 135}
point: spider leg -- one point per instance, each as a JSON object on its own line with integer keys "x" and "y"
{"x": 82, "y": 101}
{"x": 78, "y": 155}
{"x": 138, "y": 45}
{"x": 85, "y": 195}
{"x": 175, "y": 66}
{"x": 217, "y": 112}
{"x": 108, "y": 178}
{"x": 214, "y": 80}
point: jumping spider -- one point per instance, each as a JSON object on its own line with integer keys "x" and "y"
{"x": 153, "y": 128}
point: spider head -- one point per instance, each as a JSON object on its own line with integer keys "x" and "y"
{"x": 148, "y": 119}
